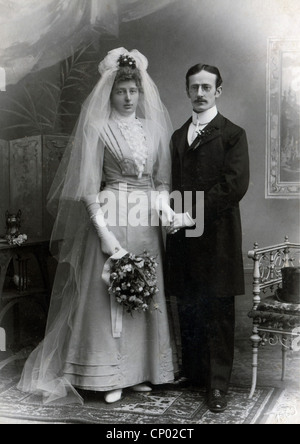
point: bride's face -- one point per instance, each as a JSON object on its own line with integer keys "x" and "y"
{"x": 124, "y": 97}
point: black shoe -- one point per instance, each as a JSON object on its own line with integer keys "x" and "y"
{"x": 217, "y": 402}
{"x": 184, "y": 382}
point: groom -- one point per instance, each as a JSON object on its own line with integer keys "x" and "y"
{"x": 210, "y": 154}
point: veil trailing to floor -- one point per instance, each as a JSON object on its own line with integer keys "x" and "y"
{"x": 79, "y": 177}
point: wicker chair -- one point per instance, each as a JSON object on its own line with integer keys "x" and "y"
{"x": 275, "y": 321}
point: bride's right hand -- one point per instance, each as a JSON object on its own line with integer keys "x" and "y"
{"x": 109, "y": 243}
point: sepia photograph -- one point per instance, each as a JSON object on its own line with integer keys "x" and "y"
{"x": 150, "y": 214}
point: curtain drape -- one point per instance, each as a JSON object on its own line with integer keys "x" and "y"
{"x": 35, "y": 34}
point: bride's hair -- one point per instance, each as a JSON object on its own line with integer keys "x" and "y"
{"x": 126, "y": 73}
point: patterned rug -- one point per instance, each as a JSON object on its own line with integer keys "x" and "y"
{"x": 285, "y": 410}
{"x": 164, "y": 405}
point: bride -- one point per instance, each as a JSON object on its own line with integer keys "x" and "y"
{"x": 90, "y": 342}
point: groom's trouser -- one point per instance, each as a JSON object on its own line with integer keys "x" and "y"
{"x": 207, "y": 324}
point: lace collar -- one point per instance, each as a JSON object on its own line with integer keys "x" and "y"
{"x": 117, "y": 117}
{"x": 132, "y": 130}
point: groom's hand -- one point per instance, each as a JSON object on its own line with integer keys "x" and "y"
{"x": 179, "y": 221}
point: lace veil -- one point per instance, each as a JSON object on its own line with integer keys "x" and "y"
{"x": 80, "y": 175}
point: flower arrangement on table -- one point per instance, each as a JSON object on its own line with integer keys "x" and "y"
{"x": 13, "y": 226}
{"x": 16, "y": 240}
{"x": 133, "y": 282}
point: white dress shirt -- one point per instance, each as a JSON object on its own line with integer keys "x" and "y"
{"x": 199, "y": 122}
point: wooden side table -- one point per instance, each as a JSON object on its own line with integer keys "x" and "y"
{"x": 38, "y": 248}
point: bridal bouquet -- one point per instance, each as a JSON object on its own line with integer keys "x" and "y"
{"x": 133, "y": 282}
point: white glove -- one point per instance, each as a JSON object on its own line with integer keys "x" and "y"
{"x": 162, "y": 206}
{"x": 109, "y": 243}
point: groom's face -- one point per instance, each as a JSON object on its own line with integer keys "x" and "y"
{"x": 202, "y": 91}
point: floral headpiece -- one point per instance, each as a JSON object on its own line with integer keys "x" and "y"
{"x": 127, "y": 60}
{"x": 121, "y": 57}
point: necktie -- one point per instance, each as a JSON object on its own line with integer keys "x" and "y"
{"x": 196, "y": 131}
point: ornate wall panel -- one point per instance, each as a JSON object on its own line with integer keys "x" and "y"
{"x": 4, "y": 183}
{"x": 53, "y": 149}
{"x": 26, "y": 183}
{"x": 27, "y": 169}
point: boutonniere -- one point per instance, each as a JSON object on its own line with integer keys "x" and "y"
{"x": 202, "y": 136}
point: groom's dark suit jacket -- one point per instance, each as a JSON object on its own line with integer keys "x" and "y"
{"x": 218, "y": 164}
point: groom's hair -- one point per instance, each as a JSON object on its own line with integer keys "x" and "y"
{"x": 201, "y": 67}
